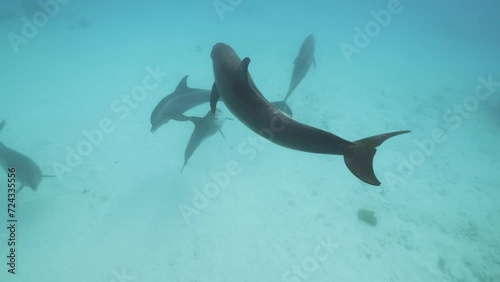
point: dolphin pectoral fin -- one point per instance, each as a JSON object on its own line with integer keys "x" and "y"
{"x": 2, "y": 124}
{"x": 243, "y": 71}
{"x": 19, "y": 189}
{"x": 283, "y": 106}
{"x": 183, "y": 166}
{"x": 358, "y": 156}
{"x": 214, "y": 97}
{"x": 375, "y": 141}
{"x": 221, "y": 133}
{"x": 359, "y": 160}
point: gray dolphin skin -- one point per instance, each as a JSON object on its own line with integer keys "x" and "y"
{"x": 175, "y": 104}
{"x": 302, "y": 64}
{"x": 204, "y": 128}
{"x": 234, "y": 84}
{"x": 28, "y": 173}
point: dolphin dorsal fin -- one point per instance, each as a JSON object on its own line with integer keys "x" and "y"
{"x": 243, "y": 71}
{"x": 182, "y": 86}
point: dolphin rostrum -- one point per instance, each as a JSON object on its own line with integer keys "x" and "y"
{"x": 235, "y": 85}
{"x": 175, "y": 104}
{"x": 204, "y": 127}
{"x": 28, "y": 173}
{"x": 302, "y": 64}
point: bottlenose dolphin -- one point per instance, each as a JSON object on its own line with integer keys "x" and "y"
{"x": 235, "y": 85}
{"x": 302, "y": 64}
{"x": 28, "y": 173}
{"x": 204, "y": 127}
{"x": 176, "y": 103}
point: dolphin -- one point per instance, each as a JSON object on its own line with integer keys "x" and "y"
{"x": 176, "y": 103}
{"x": 235, "y": 85}
{"x": 28, "y": 173}
{"x": 204, "y": 127}
{"x": 302, "y": 64}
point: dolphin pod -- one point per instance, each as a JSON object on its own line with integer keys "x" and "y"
{"x": 28, "y": 173}
{"x": 235, "y": 85}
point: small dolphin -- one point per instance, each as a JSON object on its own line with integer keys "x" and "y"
{"x": 204, "y": 128}
{"x": 175, "y": 104}
{"x": 302, "y": 64}
{"x": 235, "y": 85}
{"x": 28, "y": 173}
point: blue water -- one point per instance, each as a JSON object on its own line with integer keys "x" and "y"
{"x": 244, "y": 209}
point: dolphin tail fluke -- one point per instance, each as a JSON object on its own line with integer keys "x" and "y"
{"x": 283, "y": 106}
{"x": 359, "y": 160}
{"x": 358, "y": 156}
